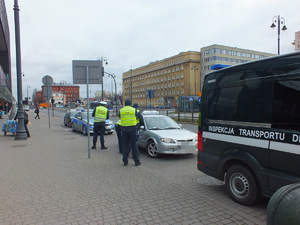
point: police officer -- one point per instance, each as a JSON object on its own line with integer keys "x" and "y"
{"x": 128, "y": 116}
{"x": 119, "y": 134}
{"x": 100, "y": 114}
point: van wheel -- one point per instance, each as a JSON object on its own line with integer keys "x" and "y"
{"x": 152, "y": 149}
{"x": 242, "y": 185}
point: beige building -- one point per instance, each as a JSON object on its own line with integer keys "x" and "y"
{"x": 181, "y": 75}
{"x": 167, "y": 79}
{"x": 220, "y": 56}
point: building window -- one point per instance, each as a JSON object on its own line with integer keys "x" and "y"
{"x": 177, "y": 76}
{"x": 181, "y": 67}
{"x": 182, "y": 83}
{"x": 181, "y": 75}
{"x": 182, "y": 91}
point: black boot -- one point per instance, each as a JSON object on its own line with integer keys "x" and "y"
{"x": 94, "y": 146}
{"x": 103, "y": 146}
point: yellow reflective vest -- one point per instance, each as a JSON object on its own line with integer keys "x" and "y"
{"x": 100, "y": 114}
{"x": 127, "y": 115}
{"x": 118, "y": 122}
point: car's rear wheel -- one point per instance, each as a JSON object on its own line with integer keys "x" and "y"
{"x": 73, "y": 127}
{"x": 84, "y": 130}
{"x": 242, "y": 185}
{"x": 152, "y": 149}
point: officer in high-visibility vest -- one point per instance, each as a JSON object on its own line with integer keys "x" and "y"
{"x": 100, "y": 114}
{"x": 119, "y": 134}
{"x": 128, "y": 116}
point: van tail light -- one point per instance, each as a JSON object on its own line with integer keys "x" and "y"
{"x": 200, "y": 141}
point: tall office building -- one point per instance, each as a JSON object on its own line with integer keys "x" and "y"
{"x": 160, "y": 83}
{"x": 220, "y": 56}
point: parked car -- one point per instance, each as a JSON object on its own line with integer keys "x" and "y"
{"x": 162, "y": 135}
{"x": 26, "y": 107}
{"x": 79, "y": 123}
{"x": 68, "y": 117}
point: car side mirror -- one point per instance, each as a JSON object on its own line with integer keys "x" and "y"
{"x": 142, "y": 127}
{"x": 180, "y": 125}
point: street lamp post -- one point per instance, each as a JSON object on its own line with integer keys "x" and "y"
{"x": 195, "y": 69}
{"x": 21, "y": 132}
{"x": 27, "y": 92}
{"x": 103, "y": 59}
{"x": 114, "y": 78}
{"x": 131, "y": 85}
{"x": 279, "y": 20}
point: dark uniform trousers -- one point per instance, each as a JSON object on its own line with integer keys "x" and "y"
{"x": 129, "y": 141}
{"x": 99, "y": 127}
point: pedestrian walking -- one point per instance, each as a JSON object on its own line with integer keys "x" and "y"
{"x": 119, "y": 134}
{"x": 37, "y": 113}
{"x": 128, "y": 116}
{"x": 100, "y": 114}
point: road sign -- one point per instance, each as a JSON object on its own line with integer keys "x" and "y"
{"x": 191, "y": 98}
{"x": 80, "y": 69}
{"x": 47, "y": 92}
{"x": 199, "y": 99}
{"x": 47, "y": 80}
{"x": 150, "y": 93}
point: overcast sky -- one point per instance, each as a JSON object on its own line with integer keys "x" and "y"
{"x": 132, "y": 33}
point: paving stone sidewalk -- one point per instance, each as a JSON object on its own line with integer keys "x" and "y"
{"x": 47, "y": 179}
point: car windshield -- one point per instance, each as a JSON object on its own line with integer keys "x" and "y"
{"x": 160, "y": 123}
{"x": 72, "y": 113}
{"x": 84, "y": 116}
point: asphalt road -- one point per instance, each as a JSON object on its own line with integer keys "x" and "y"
{"x": 178, "y": 169}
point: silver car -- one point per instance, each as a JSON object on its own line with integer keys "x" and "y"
{"x": 162, "y": 135}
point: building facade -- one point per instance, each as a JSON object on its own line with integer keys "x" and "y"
{"x": 162, "y": 82}
{"x": 220, "y": 56}
{"x": 68, "y": 92}
{"x": 6, "y": 96}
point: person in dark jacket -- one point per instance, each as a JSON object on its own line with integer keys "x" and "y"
{"x": 26, "y": 120}
{"x": 37, "y": 111}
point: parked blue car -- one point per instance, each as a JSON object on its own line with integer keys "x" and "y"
{"x": 79, "y": 123}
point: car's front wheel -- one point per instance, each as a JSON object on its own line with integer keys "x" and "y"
{"x": 242, "y": 185}
{"x": 152, "y": 149}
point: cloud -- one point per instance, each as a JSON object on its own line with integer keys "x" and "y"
{"x": 132, "y": 33}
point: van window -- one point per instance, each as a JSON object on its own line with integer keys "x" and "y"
{"x": 251, "y": 102}
{"x": 286, "y": 105}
